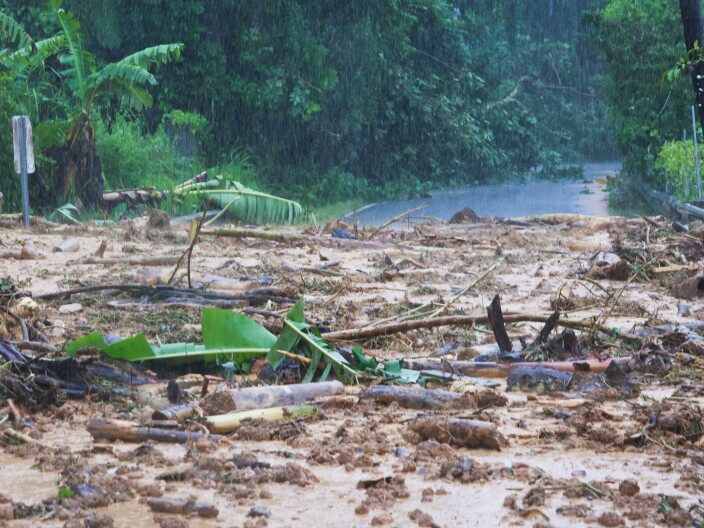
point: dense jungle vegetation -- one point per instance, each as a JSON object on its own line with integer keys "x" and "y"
{"x": 323, "y": 101}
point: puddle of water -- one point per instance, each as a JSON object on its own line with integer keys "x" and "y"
{"x": 24, "y": 484}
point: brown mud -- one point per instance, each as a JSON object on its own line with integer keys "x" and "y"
{"x": 575, "y": 458}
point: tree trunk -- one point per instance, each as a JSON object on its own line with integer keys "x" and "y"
{"x": 693, "y": 26}
{"x": 79, "y": 164}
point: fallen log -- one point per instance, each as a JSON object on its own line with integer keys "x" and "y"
{"x": 501, "y": 370}
{"x": 106, "y": 429}
{"x": 182, "y": 507}
{"x": 417, "y": 398}
{"x": 473, "y": 434}
{"x": 225, "y": 400}
{"x": 226, "y": 423}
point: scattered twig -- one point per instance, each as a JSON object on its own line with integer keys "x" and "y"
{"x": 395, "y": 219}
{"x": 193, "y": 235}
{"x": 465, "y": 289}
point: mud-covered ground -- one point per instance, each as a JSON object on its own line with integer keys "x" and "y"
{"x": 611, "y": 456}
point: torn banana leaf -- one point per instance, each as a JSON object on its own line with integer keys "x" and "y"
{"x": 389, "y": 369}
{"x": 227, "y": 336}
{"x": 302, "y": 339}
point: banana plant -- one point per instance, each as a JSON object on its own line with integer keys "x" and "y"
{"x": 127, "y": 79}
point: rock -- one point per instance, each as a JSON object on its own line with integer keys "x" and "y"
{"x": 70, "y": 308}
{"x": 259, "y": 511}
{"x": 629, "y": 487}
{"x": 57, "y": 329}
{"x": 28, "y": 309}
{"x": 610, "y": 519}
{"x": 70, "y": 245}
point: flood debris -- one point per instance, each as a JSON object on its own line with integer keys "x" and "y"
{"x": 262, "y": 366}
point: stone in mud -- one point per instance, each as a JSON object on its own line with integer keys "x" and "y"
{"x": 629, "y": 487}
{"x": 610, "y": 519}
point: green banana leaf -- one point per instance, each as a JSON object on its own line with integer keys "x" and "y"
{"x": 227, "y": 336}
{"x": 253, "y": 207}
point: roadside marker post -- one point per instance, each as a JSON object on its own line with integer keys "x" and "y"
{"x": 24, "y": 159}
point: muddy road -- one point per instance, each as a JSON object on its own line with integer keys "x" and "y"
{"x": 625, "y": 453}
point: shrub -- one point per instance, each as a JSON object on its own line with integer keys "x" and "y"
{"x": 675, "y": 169}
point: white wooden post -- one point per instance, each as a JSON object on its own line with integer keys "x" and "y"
{"x": 24, "y": 159}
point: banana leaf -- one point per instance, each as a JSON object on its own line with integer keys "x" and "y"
{"x": 303, "y": 339}
{"x": 227, "y": 336}
{"x": 254, "y": 207}
{"x": 389, "y": 369}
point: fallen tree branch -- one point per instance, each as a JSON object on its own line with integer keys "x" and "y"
{"x": 455, "y": 320}
{"x": 163, "y": 260}
{"x": 395, "y": 219}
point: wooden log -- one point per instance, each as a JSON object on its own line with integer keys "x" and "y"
{"x": 473, "y": 434}
{"x": 416, "y": 398}
{"x": 225, "y": 400}
{"x": 226, "y": 423}
{"x": 490, "y": 369}
{"x": 182, "y": 507}
{"x": 106, "y": 429}
{"x": 178, "y": 413}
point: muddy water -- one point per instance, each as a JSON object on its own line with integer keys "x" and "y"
{"x": 506, "y": 200}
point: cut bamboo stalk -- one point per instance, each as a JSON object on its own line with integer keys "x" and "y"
{"x": 226, "y": 423}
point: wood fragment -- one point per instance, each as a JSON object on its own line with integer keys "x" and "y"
{"x": 473, "y": 434}
{"x": 178, "y": 413}
{"x": 417, "y": 398}
{"x": 496, "y": 320}
{"x": 395, "y": 219}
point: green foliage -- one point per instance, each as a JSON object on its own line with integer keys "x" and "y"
{"x": 675, "y": 168}
{"x": 131, "y": 158}
{"x": 637, "y": 42}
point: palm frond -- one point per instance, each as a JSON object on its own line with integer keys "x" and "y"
{"x": 119, "y": 72}
{"x": 254, "y": 207}
{"x": 154, "y": 55}
{"x": 11, "y": 30}
{"x": 30, "y": 57}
